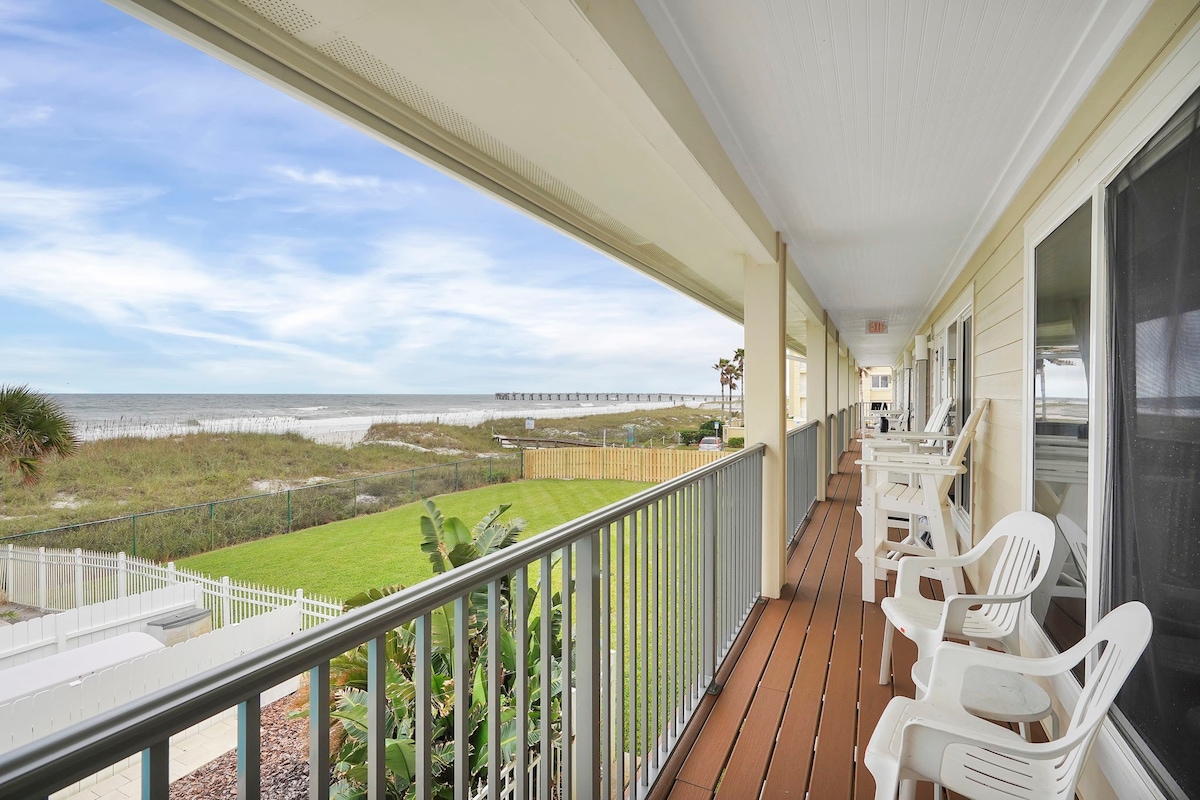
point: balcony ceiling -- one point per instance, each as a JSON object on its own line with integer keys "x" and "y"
{"x": 885, "y": 139}
{"x": 881, "y": 139}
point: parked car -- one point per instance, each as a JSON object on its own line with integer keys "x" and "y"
{"x": 711, "y": 443}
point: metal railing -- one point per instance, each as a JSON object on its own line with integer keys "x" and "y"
{"x": 841, "y": 432}
{"x": 174, "y": 533}
{"x": 630, "y": 611}
{"x": 831, "y": 448}
{"x": 802, "y": 478}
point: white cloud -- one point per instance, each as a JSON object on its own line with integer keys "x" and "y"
{"x": 25, "y": 117}
{"x": 328, "y": 191}
{"x": 424, "y": 311}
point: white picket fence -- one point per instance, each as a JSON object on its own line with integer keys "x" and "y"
{"x": 58, "y": 580}
{"x": 56, "y": 633}
{"x": 35, "y": 716}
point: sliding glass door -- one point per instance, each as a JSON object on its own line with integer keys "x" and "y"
{"x": 1154, "y": 432}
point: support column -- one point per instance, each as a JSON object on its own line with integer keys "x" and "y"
{"x": 815, "y": 377}
{"x": 831, "y": 394}
{"x": 766, "y": 354}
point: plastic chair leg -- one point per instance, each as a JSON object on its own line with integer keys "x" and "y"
{"x": 885, "y": 662}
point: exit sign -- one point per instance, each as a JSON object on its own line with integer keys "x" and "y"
{"x": 876, "y": 326}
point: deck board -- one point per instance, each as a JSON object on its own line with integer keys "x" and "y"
{"x": 804, "y": 696}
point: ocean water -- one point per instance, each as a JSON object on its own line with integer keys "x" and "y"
{"x": 328, "y": 418}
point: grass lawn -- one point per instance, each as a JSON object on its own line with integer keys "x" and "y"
{"x": 344, "y": 558}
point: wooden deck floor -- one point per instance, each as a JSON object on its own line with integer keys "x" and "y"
{"x": 802, "y": 697}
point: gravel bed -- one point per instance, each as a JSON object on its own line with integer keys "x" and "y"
{"x": 284, "y": 762}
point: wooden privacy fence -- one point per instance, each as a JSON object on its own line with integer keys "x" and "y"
{"x": 614, "y": 463}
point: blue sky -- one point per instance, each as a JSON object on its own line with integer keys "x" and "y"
{"x": 168, "y": 224}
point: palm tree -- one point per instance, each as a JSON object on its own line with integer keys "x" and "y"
{"x": 33, "y": 429}
{"x": 722, "y": 368}
{"x": 739, "y": 368}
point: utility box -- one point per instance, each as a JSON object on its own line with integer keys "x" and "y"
{"x": 171, "y": 629}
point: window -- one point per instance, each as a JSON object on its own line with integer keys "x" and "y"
{"x": 1062, "y": 278}
{"x": 881, "y": 381}
{"x": 1153, "y": 552}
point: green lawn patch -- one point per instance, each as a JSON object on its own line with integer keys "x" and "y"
{"x": 344, "y": 558}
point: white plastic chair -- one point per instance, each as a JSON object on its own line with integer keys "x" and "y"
{"x": 1026, "y": 538}
{"x": 926, "y": 493}
{"x": 935, "y": 739}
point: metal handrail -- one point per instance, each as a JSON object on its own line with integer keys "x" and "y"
{"x": 64, "y": 757}
{"x": 804, "y": 427}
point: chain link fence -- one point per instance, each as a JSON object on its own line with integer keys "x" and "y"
{"x": 175, "y": 533}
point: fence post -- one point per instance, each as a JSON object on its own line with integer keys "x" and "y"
{"x": 43, "y": 578}
{"x": 121, "y": 574}
{"x": 489, "y": 463}
{"x": 172, "y": 578}
{"x": 8, "y": 571}
{"x": 79, "y": 577}
{"x": 587, "y": 642}
{"x": 354, "y": 488}
{"x": 289, "y": 510}
{"x": 133, "y": 522}
{"x": 456, "y": 476}
{"x": 226, "y": 602}
{"x": 300, "y": 605}
{"x": 708, "y": 567}
{"x": 212, "y": 526}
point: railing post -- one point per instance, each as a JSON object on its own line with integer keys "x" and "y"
{"x": 43, "y": 579}
{"x": 377, "y": 716}
{"x": 249, "y": 749}
{"x": 78, "y": 577}
{"x": 587, "y": 676}
{"x": 122, "y": 575}
{"x": 156, "y": 764}
{"x": 318, "y": 732}
{"x": 708, "y": 567}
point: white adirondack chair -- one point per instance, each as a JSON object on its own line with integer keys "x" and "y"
{"x": 928, "y": 440}
{"x": 1025, "y": 540}
{"x": 935, "y": 739}
{"x": 926, "y": 493}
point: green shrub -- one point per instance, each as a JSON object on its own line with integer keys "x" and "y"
{"x": 690, "y": 437}
{"x": 737, "y": 442}
{"x": 708, "y": 428}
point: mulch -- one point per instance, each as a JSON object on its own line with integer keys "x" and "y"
{"x": 284, "y": 762}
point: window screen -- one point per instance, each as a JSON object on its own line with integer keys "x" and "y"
{"x": 1153, "y": 550}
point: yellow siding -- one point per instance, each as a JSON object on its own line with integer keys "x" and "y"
{"x": 614, "y": 463}
{"x": 997, "y": 271}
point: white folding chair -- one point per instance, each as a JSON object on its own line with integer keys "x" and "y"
{"x": 935, "y": 739}
{"x": 1025, "y": 539}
